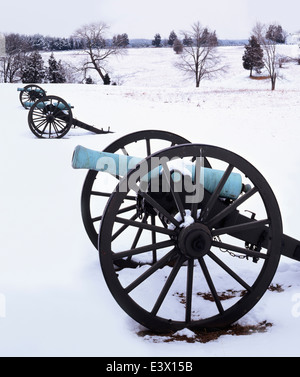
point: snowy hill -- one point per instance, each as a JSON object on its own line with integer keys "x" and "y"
{"x": 53, "y": 298}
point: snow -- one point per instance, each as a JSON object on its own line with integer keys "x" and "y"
{"x": 188, "y": 219}
{"x": 53, "y": 297}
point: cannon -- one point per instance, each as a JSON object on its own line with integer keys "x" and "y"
{"x": 50, "y": 117}
{"x": 171, "y": 258}
{"x": 29, "y": 94}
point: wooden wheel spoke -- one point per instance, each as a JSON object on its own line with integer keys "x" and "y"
{"x": 189, "y": 290}
{"x": 215, "y": 195}
{"x": 233, "y": 206}
{"x": 40, "y": 124}
{"x": 139, "y": 233}
{"x": 229, "y": 271}
{"x": 167, "y": 285}
{"x": 148, "y": 147}
{"x": 56, "y": 132}
{"x": 174, "y": 192}
{"x": 159, "y": 264}
{"x": 260, "y": 224}
{"x": 211, "y": 285}
{"x": 124, "y": 227}
{"x": 108, "y": 194}
{"x": 143, "y": 225}
{"x": 198, "y": 166}
{"x": 159, "y": 208}
{"x": 142, "y": 249}
{"x": 241, "y": 250}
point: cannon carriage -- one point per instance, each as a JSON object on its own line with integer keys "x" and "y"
{"x": 49, "y": 116}
{"x": 173, "y": 256}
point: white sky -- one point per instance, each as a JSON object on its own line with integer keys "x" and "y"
{"x": 232, "y": 19}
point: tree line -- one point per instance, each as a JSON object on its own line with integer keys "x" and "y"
{"x": 38, "y": 42}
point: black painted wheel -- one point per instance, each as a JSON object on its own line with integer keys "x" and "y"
{"x": 98, "y": 186}
{"x": 30, "y": 94}
{"x": 50, "y": 117}
{"x": 210, "y": 269}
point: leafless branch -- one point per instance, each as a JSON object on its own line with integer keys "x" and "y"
{"x": 200, "y": 58}
{"x": 96, "y": 48}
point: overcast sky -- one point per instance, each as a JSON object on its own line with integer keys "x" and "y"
{"x": 143, "y": 19}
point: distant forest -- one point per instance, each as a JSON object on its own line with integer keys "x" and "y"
{"x": 47, "y": 43}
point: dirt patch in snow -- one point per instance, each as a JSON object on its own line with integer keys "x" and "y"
{"x": 208, "y": 335}
{"x": 259, "y": 77}
{"x": 205, "y": 336}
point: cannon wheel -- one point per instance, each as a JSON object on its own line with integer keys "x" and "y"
{"x": 195, "y": 282}
{"x": 30, "y": 94}
{"x": 150, "y": 140}
{"x": 50, "y": 117}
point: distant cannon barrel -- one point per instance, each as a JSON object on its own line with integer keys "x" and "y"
{"x": 120, "y": 165}
{"x": 28, "y": 89}
{"x": 41, "y": 105}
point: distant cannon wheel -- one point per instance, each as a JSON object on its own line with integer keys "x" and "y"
{"x": 98, "y": 186}
{"x": 50, "y": 117}
{"x": 30, "y": 94}
{"x": 212, "y": 264}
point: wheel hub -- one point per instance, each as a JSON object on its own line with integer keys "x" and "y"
{"x": 195, "y": 240}
{"x": 50, "y": 118}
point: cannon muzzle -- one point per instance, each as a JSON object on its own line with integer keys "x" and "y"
{"x": 119, "y": 165}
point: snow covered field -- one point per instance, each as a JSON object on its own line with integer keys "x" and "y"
{"x": 53, "y": 298}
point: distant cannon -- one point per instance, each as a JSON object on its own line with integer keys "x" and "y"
{"x": 171, "y": 263}
{"x": 29, "y": 94}
{"x": 50, "y": 117}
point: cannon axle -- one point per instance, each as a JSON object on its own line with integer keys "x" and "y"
{"x": 195, "y": 240}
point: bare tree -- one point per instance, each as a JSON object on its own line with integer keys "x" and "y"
{"x": 97, "y": 49}
{"x": 199, "y": 57}
{"x": 13, "y": 61}
{"x": 270, "y": 58}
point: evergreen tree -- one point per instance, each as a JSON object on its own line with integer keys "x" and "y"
{"x": 172, "y": 38}
{"x": 253, "y": 56}
{"x": 106, "y": 80}
{"x": 33, "y": 70}
{"x": 187, "y": 41}
{"x": 55, "y": 71}
{"x": 89, "y": 80}
{"x": 157, "y": 40}
{"x": 120, "y": 40}
{"x": 207, "y": 38}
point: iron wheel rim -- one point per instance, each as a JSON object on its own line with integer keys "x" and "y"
{"x": 27, "y": 96}
{"x": 50, "y": 118}
{"x": 150, "y": 318}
